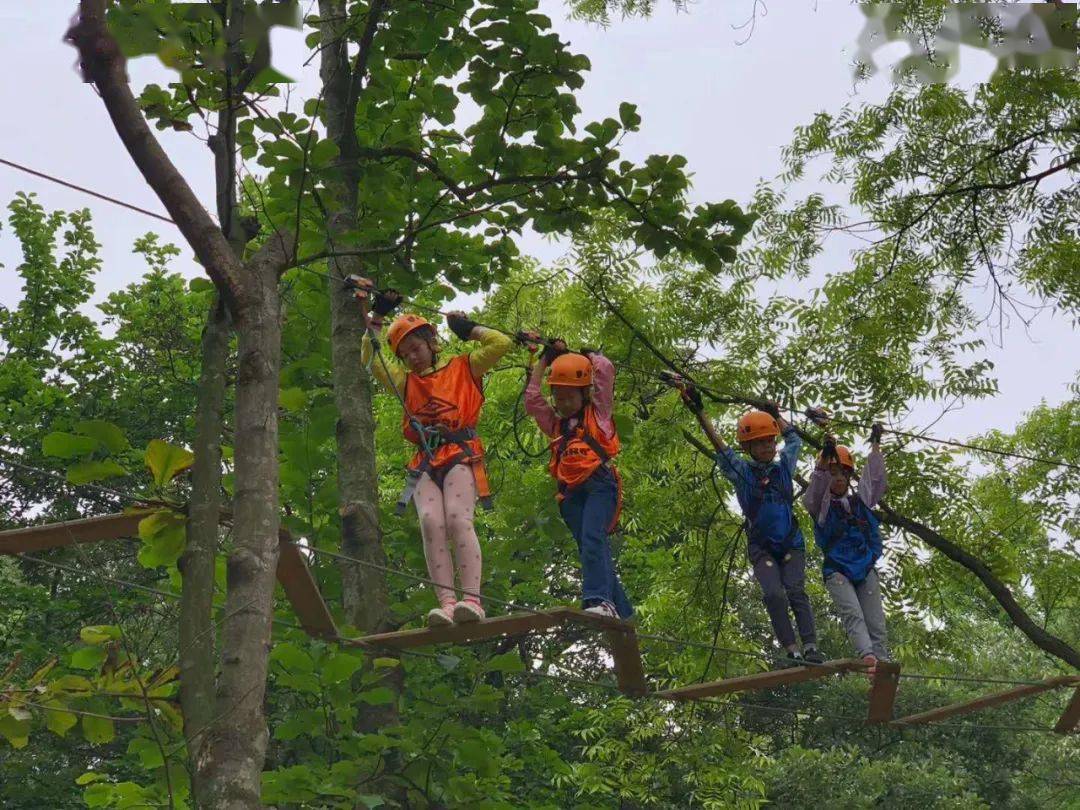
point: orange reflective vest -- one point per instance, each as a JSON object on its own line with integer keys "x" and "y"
{"x": 579, "y": 451}
{"x": 444, "y": 407}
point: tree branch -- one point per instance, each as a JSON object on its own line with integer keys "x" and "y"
{"x": 104, "y": 65}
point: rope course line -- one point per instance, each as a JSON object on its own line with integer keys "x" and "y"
{"x": 84, "y": 190}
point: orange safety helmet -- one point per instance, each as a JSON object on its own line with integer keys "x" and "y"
{"x": 756, "y": 425}
{"x": 571, "y": 369}
{"x": 844, "y": 455}
{"x": 402, "y": 326}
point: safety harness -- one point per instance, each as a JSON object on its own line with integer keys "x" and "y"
{"x": 566, "y": 434}
{"x": 759, "y": 491}
{"x": 432, "y": 437}
{"x": 846, "y": 521}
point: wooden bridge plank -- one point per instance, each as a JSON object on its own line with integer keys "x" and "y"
{"x": 303, "y": 592}
{"x": 67, "y": 533}
{"x": 514, "y": 624}
{"x": 883, "y": 692}
{"x": 1070, "y": 718}
{"x": 760, "y": 680}
{"x": 984, "y": 702}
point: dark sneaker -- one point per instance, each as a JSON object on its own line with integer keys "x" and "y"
{"x": 787, "y": 660}
{"x": 813, "y": 655}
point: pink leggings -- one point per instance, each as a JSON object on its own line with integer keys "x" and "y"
{"x": 446, "y": 515}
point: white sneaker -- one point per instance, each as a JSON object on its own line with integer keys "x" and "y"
{"x": 604, "y": 609}
{"x": 438, "y": 617}
{"x": 468, "y": 611}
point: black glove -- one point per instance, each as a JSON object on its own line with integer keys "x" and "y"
{"x": 462, "y": 327}
{"x": 817, "y": 415}
{"x": 386, "y": 301}
{"x": 771, "y": 408}
{"x": 691, "y": 397}
{"x": 875, "y": 433}
{"x": 828, "y": 448}
{"x": 553, "y": 350}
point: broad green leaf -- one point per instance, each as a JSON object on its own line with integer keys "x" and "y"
{"x": 107, "y": 434}
{"x": 148, "y": 752}
{"x": 89, "y": 777}
{"x": 379, "y": 696}
{"x": 386, "y": 663}
{"x": 98, "y": 794}
{"x": 164, "y": 537}
{"x": 16, "y": 732}
{"x": 507, "y": 662}
{"x": 57, "y": 720}
{"x": 99, "y": 634}
{"x": 68, "y": 445}
{"x": 84, "y": 472}
{"x": 88, "y": 658}
{"x": 166, "y": 461}
{"x": 340, "y": 667}
{"x": 292, "y": 399}
{"x": 71, "y": 683}
{"x": 292, "y": 658}
{"x": 98, "y": 730}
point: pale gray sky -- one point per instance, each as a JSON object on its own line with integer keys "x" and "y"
{"x": 729, "y": 108}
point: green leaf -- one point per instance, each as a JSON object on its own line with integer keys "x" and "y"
{"x": 107, "y": 434}
{"x": 88, "y": 658}
{"x": 57, "y": 720}
{"x": 386, "y": 663}
{"x": 99, "y": 634}
{"x": 628, "y": 115}
{"x": 200, "y": 284}
{"x": 16, "y": 732}
{"x": 371, "y": 801}
{"x": 379, "y": 696}
{"x": 164, "y": 537}
{"x": 84, "y": 472}
{"x": 98, "y": 730}
{"x": 71, "y": 683}
{"x": 507, "y": 662}
{"x": 166, "y": 461}
{"x": 292, "y": 657}
{"x": 292, "y": 399}
{"x": 98, "y": 795}
{"x": 341, "y": 667}
{"x": 89, "y": 777}
{"x": 148, "y": 752}
{"x": 67, "y": 445}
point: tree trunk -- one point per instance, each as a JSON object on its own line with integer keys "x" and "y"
{"x": 231, "y": 759}
{"x": 197, "y": 641}
{"x": 364, "y": 589}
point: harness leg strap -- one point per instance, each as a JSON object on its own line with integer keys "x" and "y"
{"x": 412, "y": 480}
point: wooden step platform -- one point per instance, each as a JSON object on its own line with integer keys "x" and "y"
{"x": 620, "y": 636}
{"x": 762, "y": 680}
{"x": 988, "y": 701}
{"x": 1070, "y": 718}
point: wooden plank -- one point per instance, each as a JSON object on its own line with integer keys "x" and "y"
{"x": 514, "y": 624}
{"x": 70, "y": 532}
{"x": 1070, "y": 719}
{"x": 760, "y": 680}
{"x": 984, "y": 702}
{"x": 627, "y": 655}
{"x": 883, "y": 692}
{"x": 303, "y": 592}
{"x": 593, "y": 620}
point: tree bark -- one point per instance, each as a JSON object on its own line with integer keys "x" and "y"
{"x": 364, "y": 589}
{"x": 230, "y": 757}
{"x": 197, "y": 637}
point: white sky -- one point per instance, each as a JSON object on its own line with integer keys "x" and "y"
{"x": 729, "y": 108}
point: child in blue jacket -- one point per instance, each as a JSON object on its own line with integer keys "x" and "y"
{"x": 849, "y": 537}
{"x": 766, "y": 494}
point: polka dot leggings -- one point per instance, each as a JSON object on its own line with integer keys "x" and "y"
{"x": 446, "y": 516}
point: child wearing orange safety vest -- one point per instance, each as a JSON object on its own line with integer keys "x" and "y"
{"x": 442, "y": 398}
{"x": 764, "y": 488}
{"x": 583, "y": 444}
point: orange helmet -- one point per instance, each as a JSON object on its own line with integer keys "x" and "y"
{"x": 756, "y": 425}
{"x": 844, "y": 455}
{"x": 571, "y": 369}
{"x": 402, "y": 326}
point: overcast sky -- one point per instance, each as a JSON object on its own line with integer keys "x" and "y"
{"x": 728, "y": 107}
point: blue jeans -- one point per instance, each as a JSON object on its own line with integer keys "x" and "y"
{"x": 588, "y": 510}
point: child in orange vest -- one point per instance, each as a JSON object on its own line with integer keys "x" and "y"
{"x": 583, "y": 443}
{"x": 442, "y": 400}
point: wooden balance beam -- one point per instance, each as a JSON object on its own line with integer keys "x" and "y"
{"x": 987, "y": 701}
{"x": 292, "y": 569}
{"x": 762, "y": 680}
{"x": 620, "y": 636}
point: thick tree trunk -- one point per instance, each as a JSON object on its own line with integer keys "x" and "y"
{"x": 364, "y": 588}
{"x": 230, "y": 760}
{"x": 197, "y": 638}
